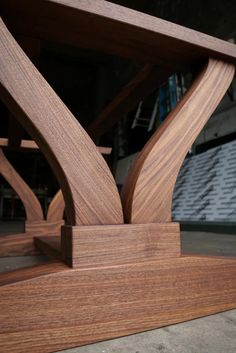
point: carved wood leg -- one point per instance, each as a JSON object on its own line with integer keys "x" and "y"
{"x": 148, "y": 190}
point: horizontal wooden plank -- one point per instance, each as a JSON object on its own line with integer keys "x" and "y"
{"x": 23, "y": 243}
{"x": 110, "y": 245}
{"x": 4, "y": 142}
{"x": 107, "y": 27}
{"x": 76, "y": 307}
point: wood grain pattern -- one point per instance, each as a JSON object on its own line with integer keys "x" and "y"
{"x": 88, "y": 187}
{"x": 90, "y": 246}
{"x": 49, "y": 246}
{"x": 19, "y": 244}
{"x": 148, "y": 190}
{"x": 56, "y": 208}
{"x": 31, "y": 204}
{"x": 23, "y": 243}
{"x": 103, "y": 26}
{"x": 144, "y": 82}
{"x": 76, "y": 307}
{"x": 35, "y": 225}
{"x": 30, "y": 144}
{"x": 27, "y": 273}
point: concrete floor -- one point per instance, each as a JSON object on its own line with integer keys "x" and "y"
{"x": 212, "y": 334}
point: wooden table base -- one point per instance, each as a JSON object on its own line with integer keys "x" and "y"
{"x": 73, "y": 307}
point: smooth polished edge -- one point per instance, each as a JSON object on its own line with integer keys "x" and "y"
{"x": 148, "y": 190}
{"x": 31, "y": 204}
{"x": 104, "y": 26}
{"x": 29, "y": 273}
{"x": 76, "y": 307}
{"x": 108, "y": 245}
{"x": 88, "y": 187}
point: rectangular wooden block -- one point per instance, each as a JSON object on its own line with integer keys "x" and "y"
{"x": 106, "y": 245}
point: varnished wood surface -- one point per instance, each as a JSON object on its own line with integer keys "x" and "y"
{"x": 90, "y": 246}
{"x": 148, "y": 190}
{"x": 77, "y": 307}
{"x": 103, "y": 26}
{"x": 143, "y": 83}
{"x": 20, "y": 244}
{"x": 56, "y": 208}
{"x": 88, "y": 187}
{"x": 30, "y": 144}
{"x": 49, "y": 246}
{"x": 31, "y": 204}
{"x": 23, "y": 243}
{"x": 25, "y": 274}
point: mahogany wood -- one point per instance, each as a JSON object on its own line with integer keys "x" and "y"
{"x": 103, "y": 26}
{"x": 74, "y": 158}
{"x": 80, "y": 306}
{"x": 56, "y": 208}
{"x": 148, "y": 190}
{"x": 89, "y": 246}
{"x": 4, "y": 142}
{"x": 49, "y": 246}
{"x": 130, "y": 278}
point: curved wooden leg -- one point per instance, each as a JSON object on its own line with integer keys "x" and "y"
{"x": 148, "y": 190}
{"x": 88, "y": 187}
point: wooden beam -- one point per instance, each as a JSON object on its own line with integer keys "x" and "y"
{"x": 103, "y": 26}
{"x": 30, "y": 144}
{"x": 144, "y": 82}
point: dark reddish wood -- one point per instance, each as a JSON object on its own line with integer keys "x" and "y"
{"x": 122, "y": 283}
{"x": 56, "y": 208}
{"x": 76, "y": 307}
{"x": 25, "y": 274}
{"x": 49, "y": 246}
{"x": 108, "y": 245}
{"x": 74, "y": 158}
{"x": 103, "y": 26}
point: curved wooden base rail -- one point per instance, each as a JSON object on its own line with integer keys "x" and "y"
{"x": 88, "y": 187}
{"x": 125, "y": 278}
{"x": 148, "y": 190}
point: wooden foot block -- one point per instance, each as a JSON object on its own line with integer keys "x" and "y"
{"x": 107, "y": 245}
